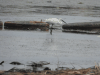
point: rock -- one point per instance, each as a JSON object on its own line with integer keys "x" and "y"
{"x": 82, "y": 25}
{"x": 39, "y": 64}
{"x": 44, "y": 62}
{"x": 47, "y": 68}
{"x": 1, "y": 62}
{"x": 33, "y": 64}
{"x": 26, "y": 25}
{"x": 1, "y": 24}
{"x": 14, "y": 69}
{"x": 62, "y": 68}
{"x": 16, "y": 63}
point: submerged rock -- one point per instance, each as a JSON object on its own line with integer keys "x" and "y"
{"x": 26, "y": 25}
{"x": 1, "y": 24}
{"x": 82, "y": 25}
{"x": 38, "y": 64}
{"x": 47, "y": 68}
{"x": 33, "y": 64}
{"x": 44, "y": 62}
{"x": 1, "y": 62}
{"x": 16, "y": 63}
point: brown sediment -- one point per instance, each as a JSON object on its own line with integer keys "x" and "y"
{"x": 26, "y": 25}
{"x": 88, "y": 71}
{"x": 32, "y": 23}
{"x": 36, "y": 22}
{"x": 1, "y": 24}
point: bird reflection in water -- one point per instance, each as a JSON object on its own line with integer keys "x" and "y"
{"x": 51, "y": 34}
{"x": 51, "y": 31}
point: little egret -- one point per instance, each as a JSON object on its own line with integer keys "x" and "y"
{"x": 54, "y": 22}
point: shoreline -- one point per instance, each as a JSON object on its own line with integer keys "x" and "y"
{"x": 87, "y": 71}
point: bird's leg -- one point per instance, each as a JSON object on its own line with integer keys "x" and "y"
{"x": 41, "y": 20}
{"x": 51, "y": 31}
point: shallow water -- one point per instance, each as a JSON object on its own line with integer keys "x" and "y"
{"x": 60, "y": 49}
{"x": 56, "y": 7}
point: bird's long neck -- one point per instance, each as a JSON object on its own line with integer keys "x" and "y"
{"x": 63, "y": 21}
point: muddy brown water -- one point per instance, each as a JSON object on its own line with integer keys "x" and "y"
{"x": 61, "y": 49}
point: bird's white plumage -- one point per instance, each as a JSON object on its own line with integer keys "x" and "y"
{"x": 54, "y": 22}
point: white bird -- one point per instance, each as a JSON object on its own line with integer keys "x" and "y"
{"x": 54, "y": 22}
